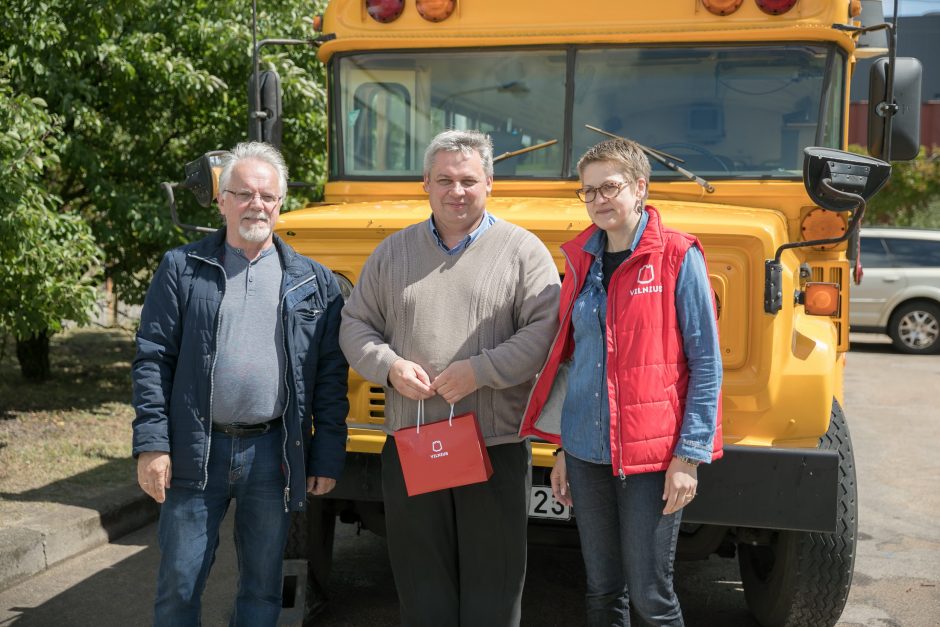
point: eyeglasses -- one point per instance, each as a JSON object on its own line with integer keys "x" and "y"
{"x": 607, "y": 191}
{"x": 243, "y": 198}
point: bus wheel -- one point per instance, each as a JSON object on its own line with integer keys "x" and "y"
{"x": 310, "y": 537}
{"x": 803, "y": 578}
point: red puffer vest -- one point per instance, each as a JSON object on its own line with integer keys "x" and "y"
{"x": 647, "y": 375}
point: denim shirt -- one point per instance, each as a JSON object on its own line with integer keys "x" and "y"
{"x": 585, "y": 418}
{"x": 487, "y": 221}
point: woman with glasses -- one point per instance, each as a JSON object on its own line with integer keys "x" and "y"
{"x": 631, "y": 388}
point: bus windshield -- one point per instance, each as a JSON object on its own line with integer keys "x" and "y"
{"x": 726, "y": 111}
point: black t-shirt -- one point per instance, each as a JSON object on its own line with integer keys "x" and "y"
{"x": 612, "y": 261}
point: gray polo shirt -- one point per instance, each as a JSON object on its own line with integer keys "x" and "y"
{"x": 248, "y": 376}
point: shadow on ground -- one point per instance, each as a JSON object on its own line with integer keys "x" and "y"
{"x": 120, "y": 591}
{"x": 90, "y": 367}
{"x": 97, "y": 488}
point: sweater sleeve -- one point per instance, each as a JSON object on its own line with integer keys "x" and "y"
{"x": 362, "y": 333}
{"x": 519, "y": 358}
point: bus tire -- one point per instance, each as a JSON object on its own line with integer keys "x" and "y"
{"x": 310, "y": 537}
{"x": 803, "y": 578}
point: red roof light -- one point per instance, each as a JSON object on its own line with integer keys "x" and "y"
{"x": 775, "y": 7}
{"x": 385, "y": 10}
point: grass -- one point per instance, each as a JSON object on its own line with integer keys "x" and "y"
{"x": 70, "y": 437}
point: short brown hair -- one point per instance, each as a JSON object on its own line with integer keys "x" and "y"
{"x": 625, "y": 153}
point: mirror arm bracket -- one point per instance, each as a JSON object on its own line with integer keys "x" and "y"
{"x": 882, "y": 108}
{"x": 773, "y": 268}
{"x": 169, "y": 188}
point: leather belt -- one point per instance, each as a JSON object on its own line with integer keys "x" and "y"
{"x": 239, "y": 430}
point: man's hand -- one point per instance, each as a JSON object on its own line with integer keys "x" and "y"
{"x": 318, "y": 486}
{"x": 153, "y": 474}
{"x": 681, "y": 484}
{"x": 410, "y": 380}
{"x": 560, "y": 488}
{"x": 456, "y": 381}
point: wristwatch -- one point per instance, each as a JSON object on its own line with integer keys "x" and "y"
{"x": 687, "y": 460}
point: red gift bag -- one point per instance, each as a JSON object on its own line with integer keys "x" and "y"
{"x": 444, "y": 454}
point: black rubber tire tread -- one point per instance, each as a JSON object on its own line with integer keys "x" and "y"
{"x": 321, "y": 531}
{"x": 310, "y": 537}
{"x": 809, "y": 582}
{"x": 296, "y": 547}
{"x": 894, "y": 331}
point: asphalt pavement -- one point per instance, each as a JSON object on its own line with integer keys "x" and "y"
{"x": 891, "y": 398}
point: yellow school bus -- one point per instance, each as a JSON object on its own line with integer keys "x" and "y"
{"x": 728, "y": 95}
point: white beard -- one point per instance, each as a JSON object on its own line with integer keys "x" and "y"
{"x": 257, "y": 232}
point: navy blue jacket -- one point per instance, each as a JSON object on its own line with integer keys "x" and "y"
{"x": 176, "y": 346}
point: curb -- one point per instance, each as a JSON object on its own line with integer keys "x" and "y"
{"x": 57, "y": 532}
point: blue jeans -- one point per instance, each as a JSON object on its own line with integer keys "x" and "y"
{"x": 627, "y": 544}
{"x": 247, "y": 469}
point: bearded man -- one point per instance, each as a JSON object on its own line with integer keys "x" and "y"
{"x": 237, "y": 358}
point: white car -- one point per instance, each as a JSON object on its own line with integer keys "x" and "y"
{"x": 900, "y": 289}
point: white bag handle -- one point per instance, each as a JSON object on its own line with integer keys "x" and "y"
{"x": 450, "y": 421}
{"x": 420, "y": 414}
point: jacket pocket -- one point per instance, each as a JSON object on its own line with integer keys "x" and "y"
{"x": 307, "y": 316}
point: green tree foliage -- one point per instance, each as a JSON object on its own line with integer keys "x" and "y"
{"x": 139, "y": 88}
{"x": 912, "y": 195}
{"x": 48, "y": 258}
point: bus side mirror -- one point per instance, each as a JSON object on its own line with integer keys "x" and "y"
{"x": 202, "y": 177}
{"x": 265, "y": 122}
{"x": 828, "y": 174}
{"x": 905, "y": 124}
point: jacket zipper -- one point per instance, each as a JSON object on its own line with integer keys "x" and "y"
{"x": 215, "y": 356}
{"x": 287, "y": 371}
{"x": 610, "y": 301}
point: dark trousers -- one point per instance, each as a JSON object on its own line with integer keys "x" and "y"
{"x": 627, "y": 544}
{"x": 459, "y": 555}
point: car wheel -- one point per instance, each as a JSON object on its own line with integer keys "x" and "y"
{"x": 915, "y": 328}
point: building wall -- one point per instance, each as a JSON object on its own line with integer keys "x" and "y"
{"x": 929, "y": 124}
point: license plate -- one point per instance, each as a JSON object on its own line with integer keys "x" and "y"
{"x": 543, "y": 505}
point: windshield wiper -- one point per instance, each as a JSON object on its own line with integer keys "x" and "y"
{"x": 522, "y": 151}
{"x": 667, "y": 160}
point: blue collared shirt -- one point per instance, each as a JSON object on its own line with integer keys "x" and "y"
{"x": 487, "y": 221}
{"x": 585, "y": 418}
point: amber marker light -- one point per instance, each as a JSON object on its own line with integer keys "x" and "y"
{"x": 384, "y": 10}
{"x": 821, "y": 224}
{"x": 775, "y": 7}
{"x": 435, "y": 10}
{"x": 317, "y": 23}
{"x": 821, "y": 299}
{"x": 722, "y": 7}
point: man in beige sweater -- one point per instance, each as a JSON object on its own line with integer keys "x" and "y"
{"x": 458, "y": 309}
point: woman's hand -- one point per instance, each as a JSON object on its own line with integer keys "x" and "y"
{"x": 560, "y": 488}
{"x": 681, "y": 484}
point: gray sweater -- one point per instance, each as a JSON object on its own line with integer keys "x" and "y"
{"x": 495, "y": 303}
